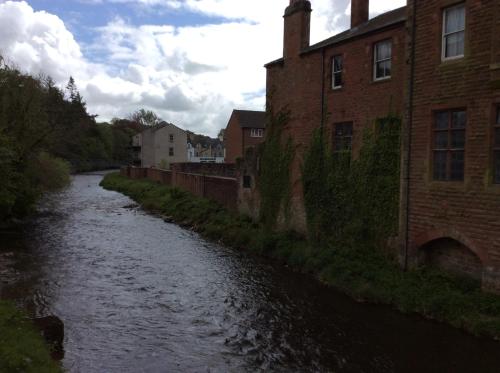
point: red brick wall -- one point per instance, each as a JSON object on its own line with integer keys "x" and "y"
{"x": 223, "y": 190}
{"x": 213, "y": 169}
{"x": 233, "y": 140}
{"x": 467, "y": 211}
{"x": 296, "y": 84}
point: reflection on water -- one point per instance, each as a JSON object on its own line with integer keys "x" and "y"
{"x": 139, "y": 295}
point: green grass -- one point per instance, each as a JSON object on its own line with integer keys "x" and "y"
{"x": 362, "y": 272}
{"x": 22, "y": 349}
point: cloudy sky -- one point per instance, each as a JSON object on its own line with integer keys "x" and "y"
{"x": 190, "y": 61}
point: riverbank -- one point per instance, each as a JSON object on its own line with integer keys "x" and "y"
{"x": 362, "y": 272}
{"x": 22, "y": 349}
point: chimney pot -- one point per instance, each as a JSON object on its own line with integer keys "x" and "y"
{"x": 360, "y": 10}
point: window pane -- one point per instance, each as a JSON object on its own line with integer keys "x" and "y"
{"x": 441, "y": 140}
{"x": 442, "y": 120}
{"x": 387, "y": 66}
{"x": 383, "y": 50}
{"x": 497, "y": 137}
{"x": 337, "y": 80}
{"x": 457, "y": 166}
{"x": 455, "y": 19}
{"x": 440, "y": 165}
{"x": 380, "y": 70}
{"x": 458, "y": 139}
{"x": 337, "y": 63}
{"x": 458, "y": 119}
{"x": 497, "y": 167}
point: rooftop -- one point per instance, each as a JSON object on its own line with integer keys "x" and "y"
{"x": 251, "y": 119}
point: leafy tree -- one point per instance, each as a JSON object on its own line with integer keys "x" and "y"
{"x": 145, "y": 118}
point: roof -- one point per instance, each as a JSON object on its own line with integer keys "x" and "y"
{"x": 380, "y": 22}
{"x": 250, "y": 119}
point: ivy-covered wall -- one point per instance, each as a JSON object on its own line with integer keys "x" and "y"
{"x": 354, "y": 200}
{"x": 273, "y": 182}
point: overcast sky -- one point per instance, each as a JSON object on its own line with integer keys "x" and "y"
{"x": 190, "y": 61}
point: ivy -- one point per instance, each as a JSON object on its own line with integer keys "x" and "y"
{"x": 354, "y": 200}
{"x": 273, "y": 182}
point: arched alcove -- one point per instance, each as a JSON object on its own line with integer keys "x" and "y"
{"x": 452, "y": 256}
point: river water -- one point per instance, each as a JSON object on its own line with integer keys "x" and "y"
{"x": 137, "y": 294}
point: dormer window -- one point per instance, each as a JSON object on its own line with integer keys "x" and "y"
{"x": 453, "y": 32}
{"x": 382, "y": 53}
{"x": 257, "y": 132}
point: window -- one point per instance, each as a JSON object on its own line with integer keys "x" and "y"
{"x": 337, "y": 69}
{"x": 257, "y": 132}
{"x": 449, "y": 145}
{"x": 453, "y": 32}
{"x": 382, "y": 53}
{"x": 171, "y": 138}
{"x": 171, "y": 151}
{"x": 247, "y": 181}
{"x": 342, "y": 140}
{"x": 496, "y": 147}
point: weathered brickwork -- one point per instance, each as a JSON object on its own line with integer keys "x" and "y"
{"x": 466, "y": 211}
{"x": 238, "y": 136}
{"x": 223, "y": 190}
{"x": 302, "y": 81}
{"x": 453, "y": 224}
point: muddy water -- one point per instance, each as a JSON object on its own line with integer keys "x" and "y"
{"x": 139, "y": 295}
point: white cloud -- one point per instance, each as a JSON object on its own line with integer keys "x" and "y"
{"x": 192, "y": 76}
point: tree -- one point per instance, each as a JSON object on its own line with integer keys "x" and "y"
{"x": 145, "y": 118}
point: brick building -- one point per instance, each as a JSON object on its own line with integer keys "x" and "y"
{"x": 336, "y": 83}
{"x": 245, "y": 129}
{"x": 436, "y": 64}
{"x": 453, "y": 121}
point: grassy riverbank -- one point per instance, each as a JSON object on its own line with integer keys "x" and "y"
{"x": 22, "y": 349}
{"x": 362, "y": 272}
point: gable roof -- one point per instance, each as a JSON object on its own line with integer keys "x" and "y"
{"x": 380, "y": 22}
{"x": 250, "y": 119}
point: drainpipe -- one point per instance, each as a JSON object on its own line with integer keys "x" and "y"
{"x": 411, "y": 86}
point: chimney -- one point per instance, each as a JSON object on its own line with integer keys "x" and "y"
{"x": 359, "y": 12}
{"x": 297, "y": 27}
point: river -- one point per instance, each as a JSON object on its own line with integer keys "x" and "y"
{"x": 137, "y": 294}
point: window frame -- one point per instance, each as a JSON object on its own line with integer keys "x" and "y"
{"x": 449, "y": 130}
{"x": 171, "y": 137}
{"x": 257, "y": 132}
{"x": 445, "y": 35}
{"x": 171, "y": 151}
{"x": 338, "y": 72}
{"x": 376, "y": 62}
{"x": 495, "y": 146}
{"x": 335, "y": 138}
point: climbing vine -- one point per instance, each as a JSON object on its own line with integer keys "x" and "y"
{"x": 352, "y": 200}
{"x": 276, "y": 155}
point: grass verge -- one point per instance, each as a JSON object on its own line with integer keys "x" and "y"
{"x": 362, "y": 272}
{"x": 22, "y": 349}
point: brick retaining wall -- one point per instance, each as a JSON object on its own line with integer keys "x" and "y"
{"x": 223, "y": 190}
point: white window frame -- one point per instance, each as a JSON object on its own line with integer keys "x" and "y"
{"x": 444, "y": 35}
{"x": 256, "y": 132}
{"x": 375, "y": 61}
{"x": 334, "y": 72}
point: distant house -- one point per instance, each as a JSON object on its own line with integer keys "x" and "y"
{"x": 160, "y": 146}
{"x": 204, "y": 149}
{"x": 245, "y": 129}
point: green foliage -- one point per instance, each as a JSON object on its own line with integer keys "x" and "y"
{"x": 361, "y": 271}
{"x": 40, "y": 126}
{"x": 354, "y": 200}
{"x": 21, "y": 347}
{"x": 274, "y": 177}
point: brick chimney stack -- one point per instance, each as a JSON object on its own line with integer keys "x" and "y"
{"x": 297, "y": 27}
{"x": 360, "y": 10}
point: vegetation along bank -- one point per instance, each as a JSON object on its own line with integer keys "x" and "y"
{"x": 359, "y": 270}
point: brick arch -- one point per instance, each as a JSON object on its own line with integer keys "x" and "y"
{"x": 437, "y": 234}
